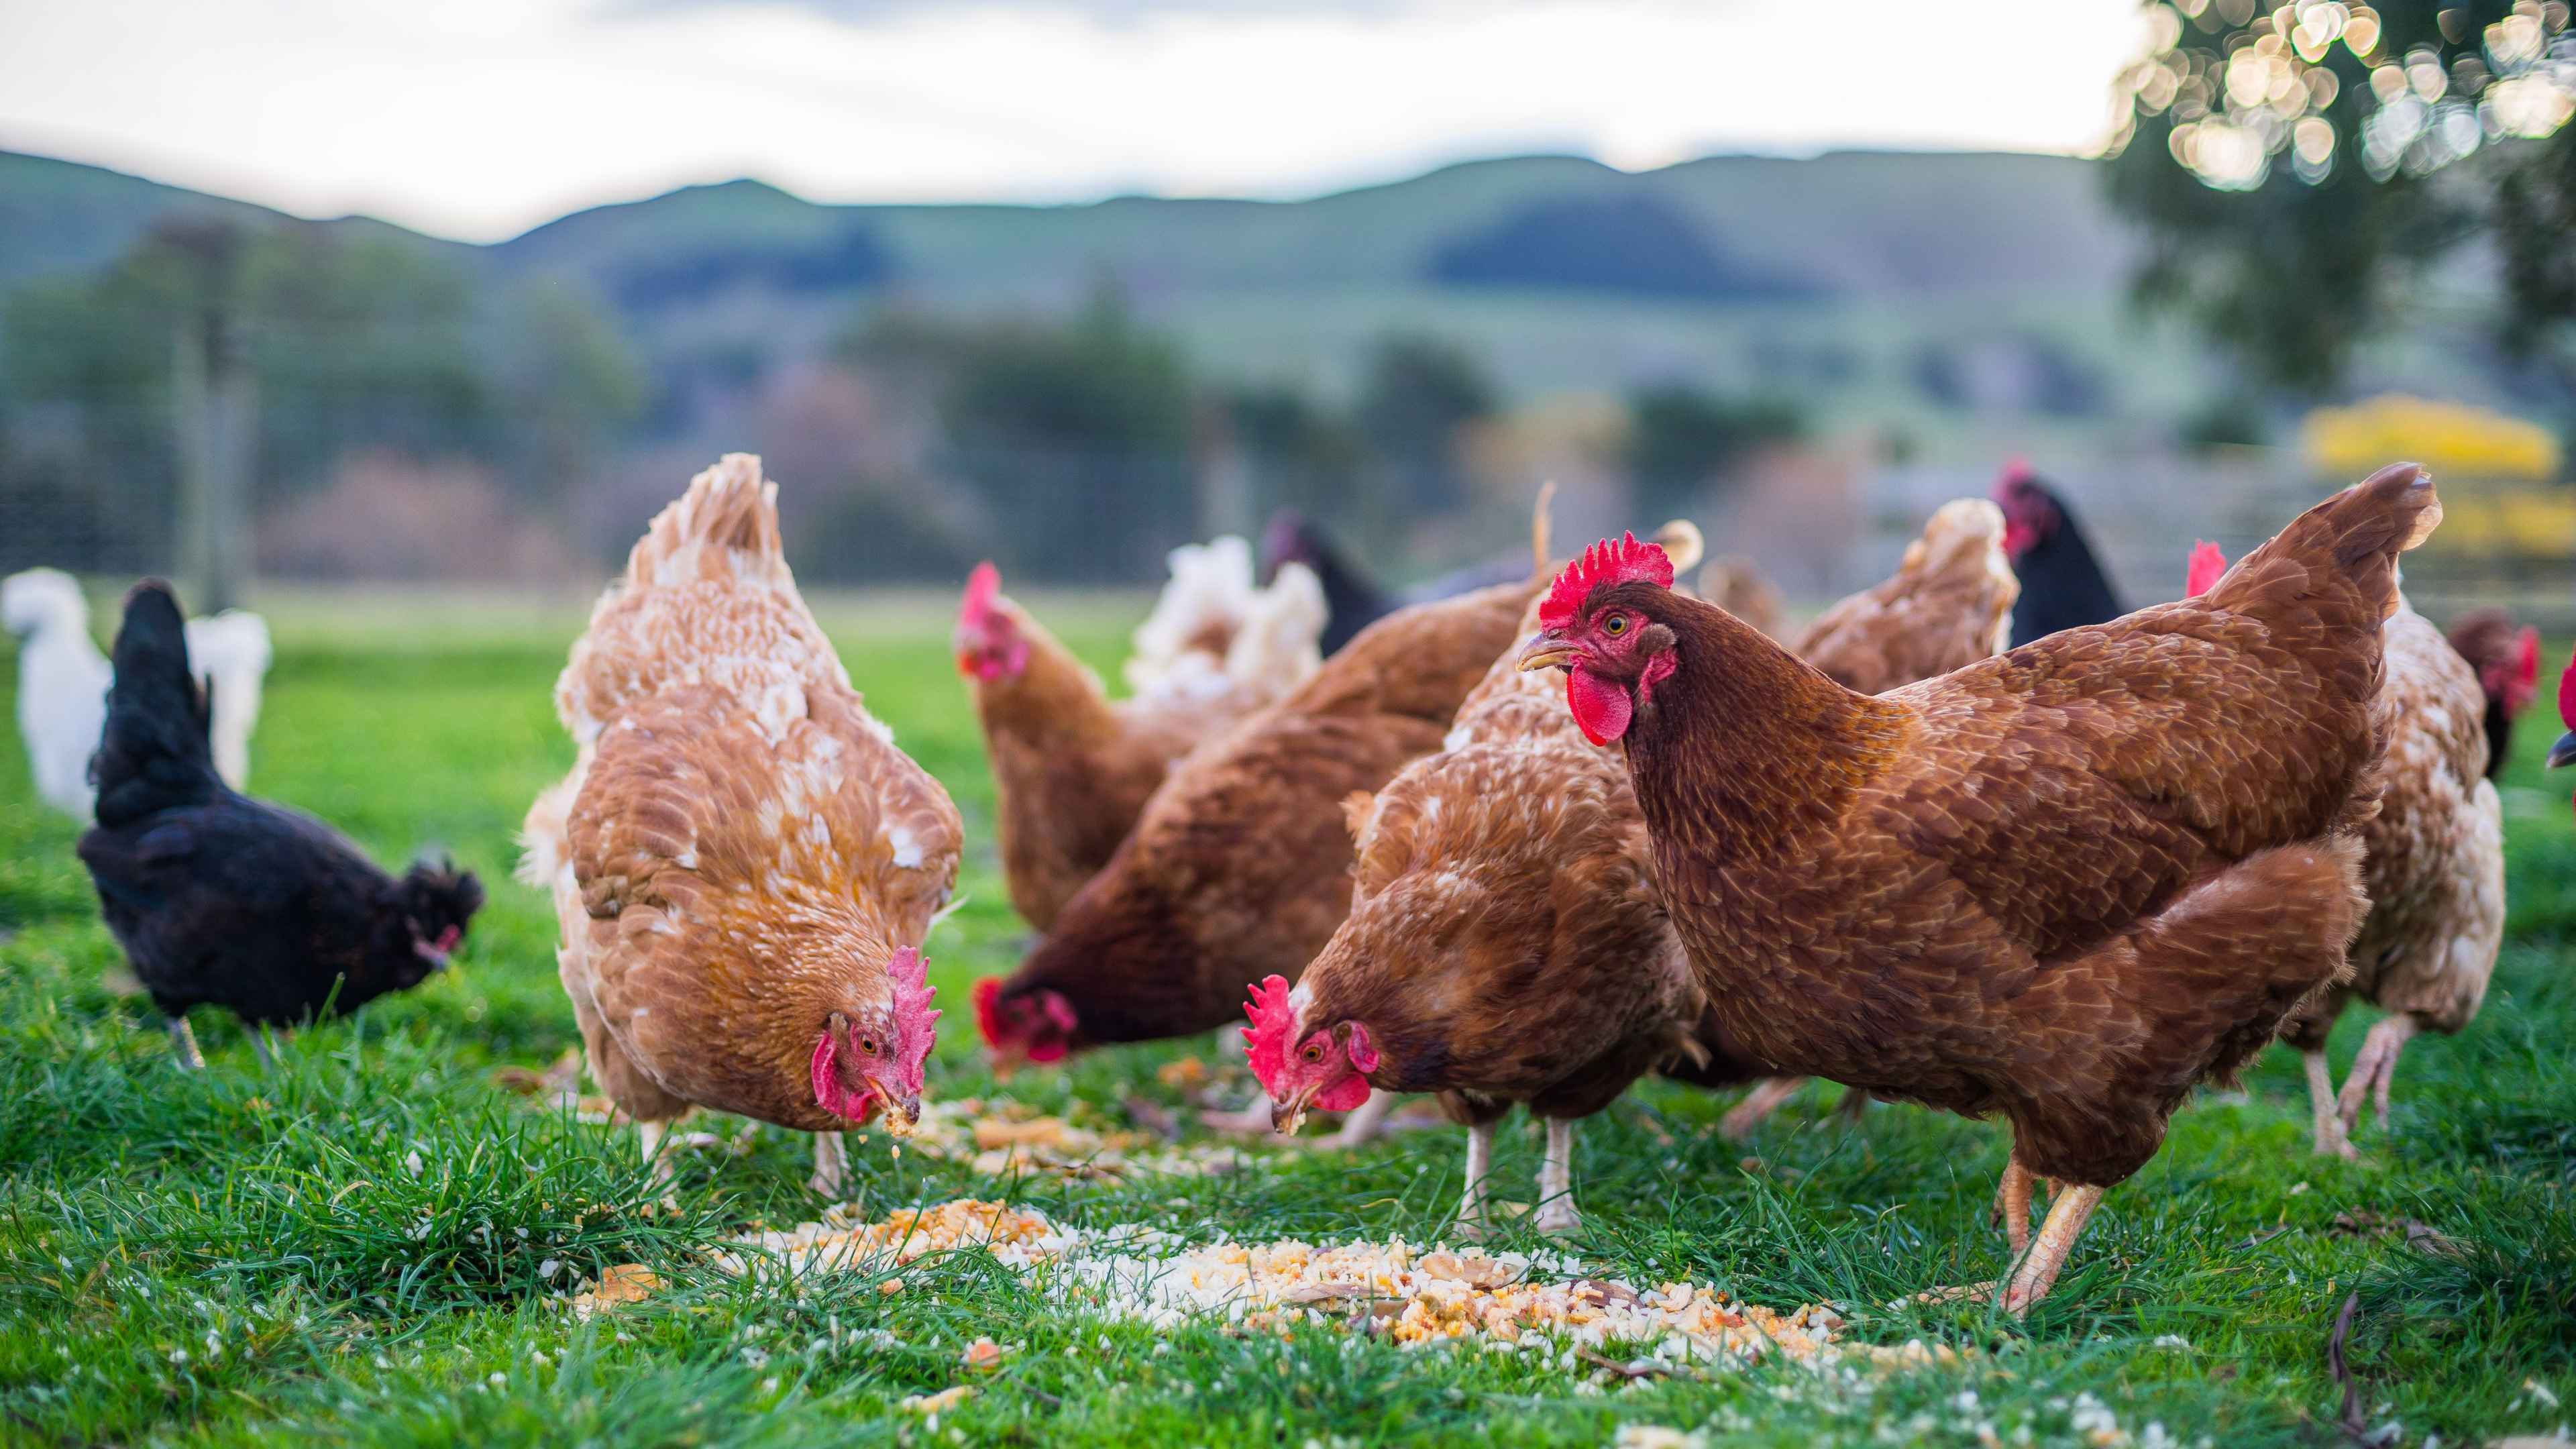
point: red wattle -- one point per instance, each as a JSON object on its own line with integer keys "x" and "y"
{"x": 829, "y": 1094}
{"x": 1601, "y": 708}
{"x": 1345, "y": 1095}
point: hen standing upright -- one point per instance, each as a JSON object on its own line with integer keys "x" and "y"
{"x": 2063, "y": 885}
{"x": 742, "y": 862}
{"x": 2062, "y": 584}
{"x": 1072, "y": 769}
{"x": 2434, "y": 866}
{"x": 1948, "y": 605}
{"x": 223, "y": 900}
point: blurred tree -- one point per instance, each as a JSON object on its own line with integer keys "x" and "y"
{"x": 1682, "y": 440}
{"x": 1303, "y": 454}
{"x": 355, "y": 343}
{"x": 1051, "y": 419}
{"x": 2230, "y": 419}
{"x": 2298, "y": 167}
{"x": 1419, "y": 392}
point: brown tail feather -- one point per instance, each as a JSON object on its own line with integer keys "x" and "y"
{"x": 728, "y": 506}
{"x": 2359, "y": 533}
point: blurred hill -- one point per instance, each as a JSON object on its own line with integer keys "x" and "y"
{"x": 1963, "y": 279}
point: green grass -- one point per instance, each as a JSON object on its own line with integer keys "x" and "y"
{"x": 367, "y": 1242}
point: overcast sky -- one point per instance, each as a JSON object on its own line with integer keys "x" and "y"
{"x": 479, "y": 118}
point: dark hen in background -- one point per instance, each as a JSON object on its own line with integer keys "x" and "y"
{"x": 225, "y": 900}
{"x": 2062, "y": 584}
{"x": 1352, "y": 600}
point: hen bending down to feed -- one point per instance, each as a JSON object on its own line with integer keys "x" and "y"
{"x": 2062, "y": 885}
{"x": 224, "y": 900}
{"x": 1504, "y": 945}
{"x": 742, "y": 863}
{"x": 2434, "y": 862}
{"x": 1072, "y": 769}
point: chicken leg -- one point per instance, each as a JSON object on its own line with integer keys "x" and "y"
{"x": 2037, "y": 1271}
{"x": 183, "y": 1038}
{"x": 2332, "y": 1140}
{"x": 1480, "y": 1161}
{"x": 1556, "y": 1214}
{"x": 831, "y": 1165}
{"x": 2012, "y": 1205}
{"x": 2373, "y": 1068}
{"x": 1758, "y": 1105}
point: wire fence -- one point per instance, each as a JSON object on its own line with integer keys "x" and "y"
{"x": 101, "y": 489}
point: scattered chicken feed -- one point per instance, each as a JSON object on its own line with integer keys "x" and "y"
{"x": 1421, "y": 1297}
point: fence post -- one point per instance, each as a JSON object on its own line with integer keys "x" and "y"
{"x": 214, "y": 411}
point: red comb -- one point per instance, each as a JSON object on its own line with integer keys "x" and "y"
{"x": 2016, "y": 471}
{"x": 988, "y": 1009}
{"x": 2526, "y": 661}
{"x": 981, "y": 586}
{"x": 2567, "y": 696}
{"x": 1272, "y": 1020}
{"x": 2207, "y": 565}
{"x": 1604, "y": 563}
{"x": 913, "y": 1016}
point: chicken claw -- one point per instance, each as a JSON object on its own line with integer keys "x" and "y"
{"x": 2374, "y": 1068}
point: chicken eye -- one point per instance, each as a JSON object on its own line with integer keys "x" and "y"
{"x": 868, "y": 1044}
{"x": 1615, "y": 624}
{"x": 1314, "y": 1052}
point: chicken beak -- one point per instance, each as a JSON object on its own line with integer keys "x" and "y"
{"x": 2563, "y": 752}
{"x": 1546, "y": 651}
{"x": 902, "y": 1109}
{"x": 1287, "y": 1117}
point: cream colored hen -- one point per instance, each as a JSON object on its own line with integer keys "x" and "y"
{"x": 742, "y": 862}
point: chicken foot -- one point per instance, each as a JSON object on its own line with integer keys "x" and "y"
{"x": 1480, "y": 1160}
{"x": 2373, "y": 1069}
{"x": 2037, "y": 1271}
{"x": 1556, "y": 1214}
{"x": 831, "y": 1165}
{"x": 183, "y": 1039}
{"x": 2331, "y": 1138}
{"x": 2013, "y": 1197}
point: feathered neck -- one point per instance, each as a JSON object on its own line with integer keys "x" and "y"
{"x": 1054, "y": 696}
{"x": 1744, "y": 745}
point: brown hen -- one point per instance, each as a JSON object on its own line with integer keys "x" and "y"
{"x": 2434, "y": 862}
{"x": 1072, "y": 769}
{"x": 2063, "y": 885}
{"x": 742, "y": 863}
{"x": 1240, "y": 866}
{"x": 1948, "y": 605}
{"x": 1504, "y": 944}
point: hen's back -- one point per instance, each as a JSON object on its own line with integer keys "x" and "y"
{"x": 2074, "y": 781}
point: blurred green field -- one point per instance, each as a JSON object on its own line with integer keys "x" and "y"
{"x": 349, "y": 1246}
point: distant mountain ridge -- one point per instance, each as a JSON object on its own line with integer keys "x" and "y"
{"x": 1848, "y": 277}
{"x": 1843, "y": 222}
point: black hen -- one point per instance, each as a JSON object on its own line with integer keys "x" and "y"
{"x": 2062, "y": 585}
{"x": 219, "y": 898}
{"x": 1351, "y": 601}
